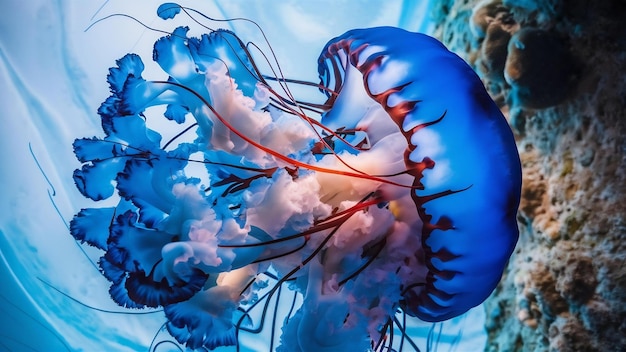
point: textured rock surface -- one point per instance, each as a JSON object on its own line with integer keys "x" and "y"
{"x": 565, "y": 288}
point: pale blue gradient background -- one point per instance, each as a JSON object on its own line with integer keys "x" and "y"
{"x": 53, "y": 78}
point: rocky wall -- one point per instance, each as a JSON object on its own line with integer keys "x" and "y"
{"x": 558, "y": 71}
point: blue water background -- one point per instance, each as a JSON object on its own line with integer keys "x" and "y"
{"x": 52, "y": 77}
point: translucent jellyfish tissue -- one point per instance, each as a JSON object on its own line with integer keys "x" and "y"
{"x": 397, "y": 192}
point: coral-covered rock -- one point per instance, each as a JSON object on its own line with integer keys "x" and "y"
{"x": 539, "y": 68}
{"x": 486, "y": 13}
{"x": 565, "y": 286}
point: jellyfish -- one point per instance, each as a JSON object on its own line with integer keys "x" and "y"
{"x": 396, "y": 192}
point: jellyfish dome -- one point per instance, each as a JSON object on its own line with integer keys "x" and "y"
{"x": 398, "y": 191}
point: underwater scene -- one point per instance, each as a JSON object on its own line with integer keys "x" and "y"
{"x": 436, "y": 175}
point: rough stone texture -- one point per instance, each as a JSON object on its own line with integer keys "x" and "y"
{"x": 565, "y": 286}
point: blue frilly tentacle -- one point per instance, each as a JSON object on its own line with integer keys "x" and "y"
{"x": 154, "y": 191}
{"x": 225, "y": 48}
{"x": 197, "y": 323}
{"x": 176, "y": 112}
{"x": 92, "y": 226}
{"x": 168, "y": 10}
